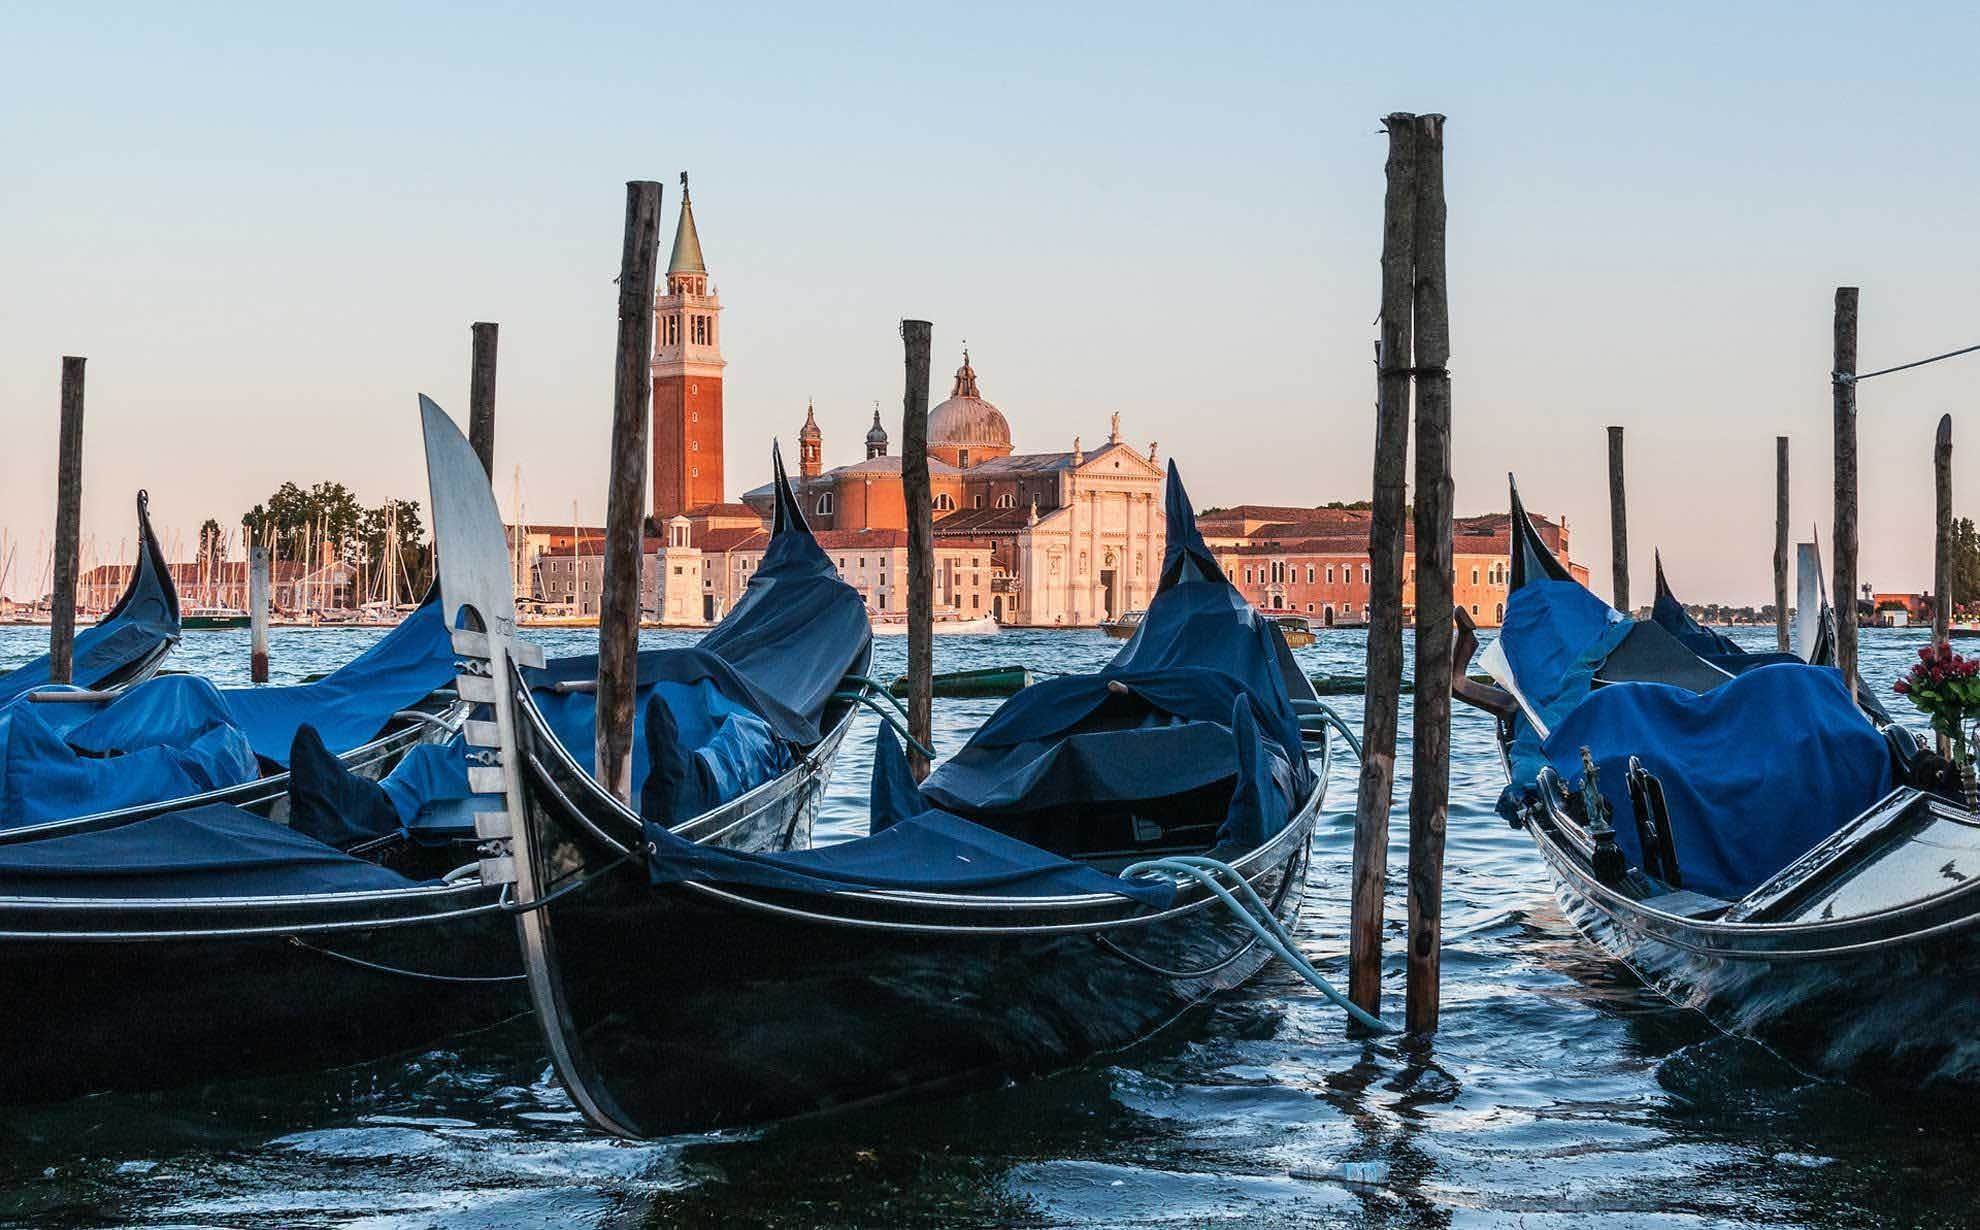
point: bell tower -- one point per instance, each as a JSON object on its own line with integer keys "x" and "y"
{"x": 687, "y": 379}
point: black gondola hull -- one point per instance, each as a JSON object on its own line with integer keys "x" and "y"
{"x": 685, "y": 1008}
{"x": 1895, "y": 995}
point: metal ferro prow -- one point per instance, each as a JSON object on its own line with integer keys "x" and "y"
{"x": 475, "y": 583}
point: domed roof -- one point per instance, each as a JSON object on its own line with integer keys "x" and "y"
{"x": 966, "y": 420}
{"x": 876, "y": 434}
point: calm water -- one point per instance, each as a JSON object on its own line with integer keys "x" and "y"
{"x": 1559, "y": 1092}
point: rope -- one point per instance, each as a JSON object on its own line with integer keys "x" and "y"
{"x": 421, "y": 975}
{"x": 1325, "y": 712}
{"x": 868, "y": 694}
{"x": 1262, "y": 924}
{"x": 1847, "y": 378}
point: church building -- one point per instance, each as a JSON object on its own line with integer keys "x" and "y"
{"x": 1076, "y": 536}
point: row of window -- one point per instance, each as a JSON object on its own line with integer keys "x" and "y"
{"x": 1280, "y": 571}
{"x": 701, "y": 330}
{"x": 943, "y": 502}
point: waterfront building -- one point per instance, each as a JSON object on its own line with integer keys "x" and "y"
{"x": 1314, "y": 561}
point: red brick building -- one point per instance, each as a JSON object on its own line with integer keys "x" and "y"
{"x": 1314, "y": 561}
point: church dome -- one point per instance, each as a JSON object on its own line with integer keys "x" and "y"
{"x": 966, "y": 420}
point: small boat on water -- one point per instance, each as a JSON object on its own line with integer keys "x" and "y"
{"x": 1123, "y": 628}
{"x": 969, "y": 684}
{"x": 1297, "y": 629}
{"x": 945, "y": 623}
{"x": 213, "y": 619}
{"x": 132, "y": 639}
{"x": 993, "y": 924}
{"x": 1750, "y": 842}
{"x": 323, "y": 917}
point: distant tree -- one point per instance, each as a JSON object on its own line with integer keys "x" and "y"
{"x": 1965, "y": 579}
{"x": 212, "y": 544}
{"x": 412, "y": 561}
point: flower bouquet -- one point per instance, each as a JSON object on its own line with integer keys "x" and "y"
{"x": 1945, "y": 687}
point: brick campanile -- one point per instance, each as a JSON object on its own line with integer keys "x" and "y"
{"x": 687, "y": 379}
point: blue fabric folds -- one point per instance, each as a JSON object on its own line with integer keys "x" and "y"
{"x": 1555, "y": 635}
{"x": 927, "y": 851}
{"x": 352, "y": 704}
{"x": 1669, "y": 614}
{"x": 166, "y": 738}
{"x": 212, "y": 851}
{"x": 1755, "y": 772}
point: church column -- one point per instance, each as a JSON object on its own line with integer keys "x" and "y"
{"x": 1093, "y": 554}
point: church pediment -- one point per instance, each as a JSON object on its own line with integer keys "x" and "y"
{"x": 1120, "y": 460}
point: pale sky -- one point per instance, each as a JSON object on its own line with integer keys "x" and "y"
{"x": 269, "y": 230}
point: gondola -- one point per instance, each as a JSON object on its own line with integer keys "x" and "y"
{"x": 211, "y": 942}
{"x": 1752, "y": 844}
{"x": 983, "y": 929}
{"x": 130, "y": 642}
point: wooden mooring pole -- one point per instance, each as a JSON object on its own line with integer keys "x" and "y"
{"x": 1430, "y": 734}
{"x": 481, "y": 394}
{"x": 625, "y": 506}
{"x": 1383, "y": 681}
{"x": 258, "y": 613}
{"x": 1943, "y": 596}
{"x": 68, "y": 526}
{"x": 1781, "y": 543}
{"x": 1842, "y": 381}
{"x": 915, "y": 339}
{"x": 1618, "y": 524}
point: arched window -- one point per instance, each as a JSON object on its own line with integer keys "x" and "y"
{"x": 1007, "y": 500}
{"x": 1501, "y": 617}
{"x": 825, "y": 505}
{"x": 945, "y": 503}
{"x": 1309, "y": 580}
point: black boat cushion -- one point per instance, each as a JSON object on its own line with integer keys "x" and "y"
{"x": 211, "y": 851}
{"x": 329, "y": 802}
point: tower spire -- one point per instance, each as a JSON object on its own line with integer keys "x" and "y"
{"x": 687, "y": 243}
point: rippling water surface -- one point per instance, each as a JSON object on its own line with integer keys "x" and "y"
{"x": 1559, "y": 1092}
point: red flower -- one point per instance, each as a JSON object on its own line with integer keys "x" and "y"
{"x": 1903, "y": 688}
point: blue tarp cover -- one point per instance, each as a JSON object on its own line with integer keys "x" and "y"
{"x": 163, "y": 739}
{"x": 351, "y": 705}
{"x": 928, "y": 851}
{"x": 1555, "y": 635}
{"x": 212, "y": 851}
{"x": 1755, "y": 772}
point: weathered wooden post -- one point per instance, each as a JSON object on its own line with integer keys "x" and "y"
{"x": 1618, "y": 524}
{"x": 68, "y": 525}
{"x": 1382, "y": 684}
{"x": 1781, "y": 543}
{"x": 1430, "y": 735}
{"x": 481, "y": 394}
{"x": 1942, "y": 586}
{"x": 1943, "y": 596}
{"x": 915, "y": 336}
{"x": 625, "y": 507}
{"x": 258, "y": 613}
{"x": 1842, "y": 381}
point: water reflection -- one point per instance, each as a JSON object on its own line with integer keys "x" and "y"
{"x": 1559, "y": 1091}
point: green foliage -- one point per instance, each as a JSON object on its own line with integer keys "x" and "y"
{"x": 212, "y": 543}
{"x": 1965, "y": 579}
{"x": 295, "y": 524}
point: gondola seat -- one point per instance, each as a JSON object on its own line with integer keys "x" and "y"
{"x": 201, "y": 852}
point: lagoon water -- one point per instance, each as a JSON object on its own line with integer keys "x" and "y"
{"x": 1559, "y": 1092}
